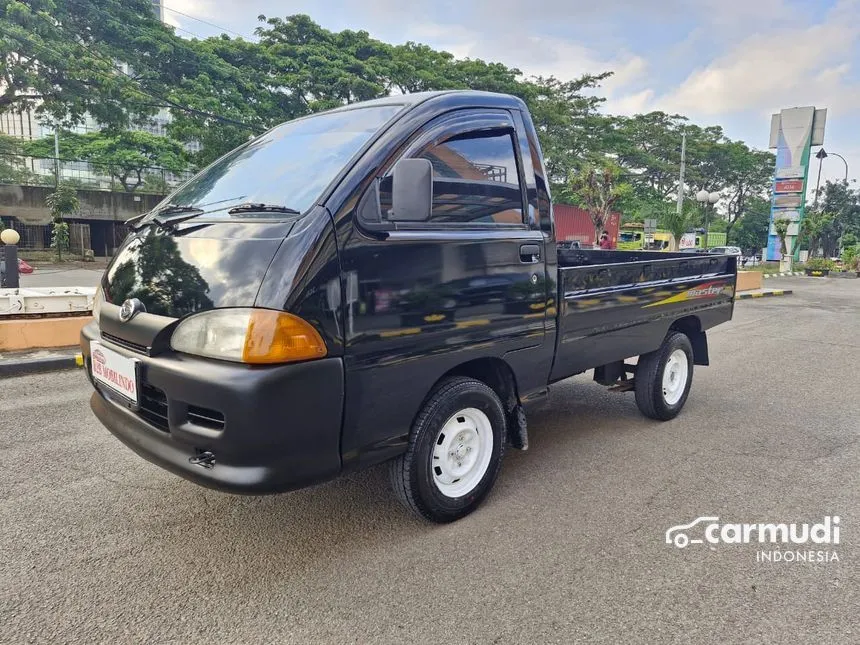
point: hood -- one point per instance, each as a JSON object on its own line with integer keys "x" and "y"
{"x": 197, "y": 268}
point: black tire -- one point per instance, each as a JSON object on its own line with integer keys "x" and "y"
{"x": 412, "y": 473}
{"x": 649, "y": 378}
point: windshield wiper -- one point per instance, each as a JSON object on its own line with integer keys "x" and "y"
{"x": 160, "y": 216}
{"x": 262, "y": 208}
{"x": 183, "y": 214}
{"x": 174, "y": 209}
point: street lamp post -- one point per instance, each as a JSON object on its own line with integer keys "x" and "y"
{"x": 821, "y": 155}
{"x": 10, "y": 239}
{"x": 705, "y": 198}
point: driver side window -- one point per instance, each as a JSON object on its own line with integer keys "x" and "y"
{"x": 475, "y": 179}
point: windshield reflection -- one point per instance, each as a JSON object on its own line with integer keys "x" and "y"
{"x": 153, "y": 270}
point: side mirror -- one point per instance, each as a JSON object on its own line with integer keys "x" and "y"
{"x": 411, "y": 191}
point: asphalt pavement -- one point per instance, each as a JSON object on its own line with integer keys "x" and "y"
{"x": 57, "y": 275}
{"x": 99, "y": 546}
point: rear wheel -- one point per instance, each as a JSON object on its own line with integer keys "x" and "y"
{"x": 664, "y": 377}
{"x": 455, "y": 451}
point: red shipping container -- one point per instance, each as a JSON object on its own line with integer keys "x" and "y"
{"x": 574, "y": 224}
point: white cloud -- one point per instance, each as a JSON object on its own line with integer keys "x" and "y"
{"x": 764, "y": 70}
{"x": 629, "y": 104}
{"x": 807, "y": 64}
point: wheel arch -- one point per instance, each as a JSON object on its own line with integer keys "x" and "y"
{"x": 691, "y": 326}
{"x": 498, "y": 375}
{"x": 492, "y": 371}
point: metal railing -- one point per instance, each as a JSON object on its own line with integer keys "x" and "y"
{"x": 89, "y": 175}
{"x": 37, "y": 237}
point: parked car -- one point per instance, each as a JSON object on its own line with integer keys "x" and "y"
{"x": 232, "y": 344}
{"x": 726, "y": 250}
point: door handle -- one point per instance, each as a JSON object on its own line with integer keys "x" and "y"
{"x": 530, "y": 253}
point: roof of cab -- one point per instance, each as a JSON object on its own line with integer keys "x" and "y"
{"x": 443, "y": 97}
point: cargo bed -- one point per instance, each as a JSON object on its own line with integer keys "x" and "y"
{"x": 619, "y": 304}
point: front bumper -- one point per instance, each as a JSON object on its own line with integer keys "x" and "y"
{"x": 268, "y": 428}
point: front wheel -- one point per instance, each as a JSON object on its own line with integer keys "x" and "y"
{"x": 455, "y": 451}
{"x": 664, "y": 377}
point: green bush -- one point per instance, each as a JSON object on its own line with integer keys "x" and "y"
{"x": 851, "y": 258}
{"x": 820, "y": 264}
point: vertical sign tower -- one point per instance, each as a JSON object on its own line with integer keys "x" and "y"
{"x": 792, "y": 132}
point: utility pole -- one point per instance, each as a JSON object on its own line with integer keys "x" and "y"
{"x": 681, "y": 175}
{"x": 57, "y": 154}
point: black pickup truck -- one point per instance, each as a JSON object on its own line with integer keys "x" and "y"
{"x": 379, "y": 283}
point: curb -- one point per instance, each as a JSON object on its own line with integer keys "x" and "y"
{"x": 22, "y": 366}
{"x": 782, "y": 275}
{"x": 764, "y": 294}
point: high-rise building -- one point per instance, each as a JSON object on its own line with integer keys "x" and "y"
{"x": 158, "y": 8}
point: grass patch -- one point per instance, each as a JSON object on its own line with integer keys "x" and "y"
{"x": 47, "y": 256}
{"x": 765, "y": 267}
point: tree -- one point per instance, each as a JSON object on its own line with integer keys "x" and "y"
{"x": 649, "y": 147}
{"x": 64, "y": 59}
{"x": 126, "y": 155}
{"x": 62, "y": 202}
{"x": 60, "y": 238}
{"x": 751, "y": 230}
{"x": 814, "y": 225}
{"x": 743, "y": 174}
{"x": 12, "y": 164}
{"x": 597, "y": 190}
{"x": 569, "y": 126}
{"x": 844, "y": 203}
{"x": 129, "y": 154}
{"x": 677, "y": 223}
{"x": 780, "y": 227}
{"x": 113, "y": 60}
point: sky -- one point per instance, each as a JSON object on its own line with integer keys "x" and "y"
{"x": 719, "y": 62}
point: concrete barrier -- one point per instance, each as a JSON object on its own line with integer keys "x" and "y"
{"x": 40, "y": 333}
{"x": 749, "y": 280}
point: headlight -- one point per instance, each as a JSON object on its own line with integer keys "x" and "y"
{"x": 98, "y": 299}
{"x": 248, "y": 336}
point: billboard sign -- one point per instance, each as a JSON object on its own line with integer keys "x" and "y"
{"x": 688, "y": 241}
{"x": 790, "y": 172}
{"x": 787, "y": 213}
{"x": 788, "y": 200}
{"x": 792, "y": 132}
{"x": 789, "y": 186}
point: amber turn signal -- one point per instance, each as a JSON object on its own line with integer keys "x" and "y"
{"x": 278, "y": 337}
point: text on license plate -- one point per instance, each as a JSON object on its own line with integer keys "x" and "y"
{"x": 114, "y": 370}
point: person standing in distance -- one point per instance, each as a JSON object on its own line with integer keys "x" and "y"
{"x": 605, "y": 242}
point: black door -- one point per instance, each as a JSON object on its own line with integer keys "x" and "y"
{"x": 469, "y": 284}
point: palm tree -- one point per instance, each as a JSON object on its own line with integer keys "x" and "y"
{"x": 780, "y": 227}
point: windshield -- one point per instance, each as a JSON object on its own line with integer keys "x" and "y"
{"x": 289, "y": 165}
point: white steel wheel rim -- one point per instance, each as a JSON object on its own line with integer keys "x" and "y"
{"x": 675, "y": 376}
{"x": 462, "y": 452}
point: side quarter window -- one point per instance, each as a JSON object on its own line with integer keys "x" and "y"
{"x": 475, "y": 179}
